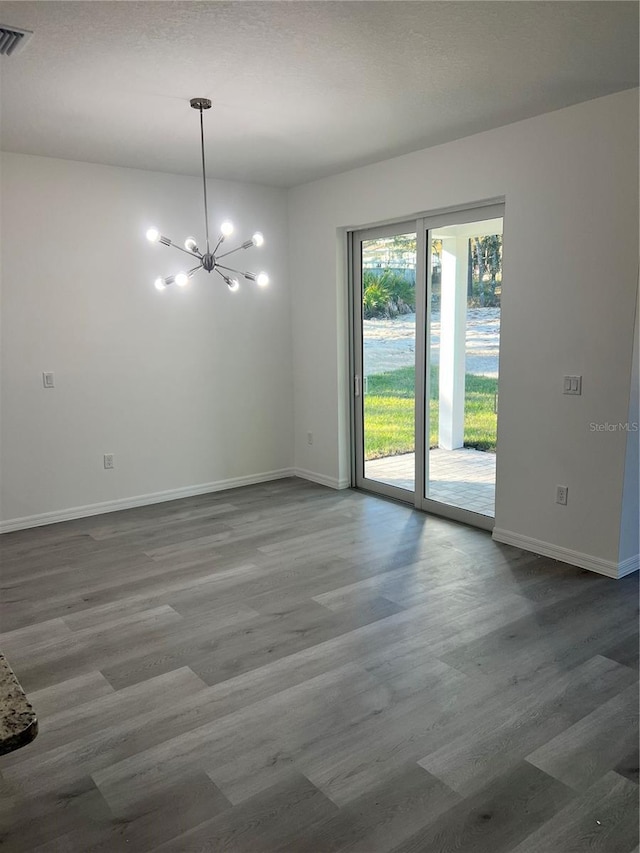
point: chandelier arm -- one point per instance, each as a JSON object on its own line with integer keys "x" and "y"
{"x": 231, "y": 251}
{"x": 204, "y": 182}
{"x": 230, "y": 269}
{"x": 195, "y": 269}
{"x": 186, "y": 251}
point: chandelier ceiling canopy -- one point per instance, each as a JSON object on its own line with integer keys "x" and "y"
{"x": 208, "y": 260}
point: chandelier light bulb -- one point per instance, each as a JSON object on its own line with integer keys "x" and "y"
{"x": 226, "y": 229}
{"x": 257, "y": 239}
{"x": 234, "y": 284}
{"x": 182, "y": 279}
{"x": 262, "y": 279}
{"x": 190, "y": 244}
{"x": 160, "y": 284}
{"x": 153, "y": 235}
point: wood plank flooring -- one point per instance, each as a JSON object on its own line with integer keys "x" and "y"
{"x": 284, "y": 667}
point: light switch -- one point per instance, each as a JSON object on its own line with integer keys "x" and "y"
{"x": 572, "y": 385}
{"x": 47, "y": 380}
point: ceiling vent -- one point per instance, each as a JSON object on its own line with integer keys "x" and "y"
{"x": 12, "y": 39}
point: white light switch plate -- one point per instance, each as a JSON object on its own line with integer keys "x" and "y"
{"x": 572, "y": 385}
{"x": 47, "y": 380}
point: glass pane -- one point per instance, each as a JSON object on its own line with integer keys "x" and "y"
{"x": 466, "y": 288}
{"x": 389, "y": 338}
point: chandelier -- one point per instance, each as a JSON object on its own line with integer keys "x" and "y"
{"x": 209, "y": 261}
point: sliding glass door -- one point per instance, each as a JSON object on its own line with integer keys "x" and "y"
{"x": 384, "y": 347}
{"x": 463, "y": 330}
{"x": 426, "y": 328}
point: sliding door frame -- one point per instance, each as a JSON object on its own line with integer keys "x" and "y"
{"x": 422, "y": 225}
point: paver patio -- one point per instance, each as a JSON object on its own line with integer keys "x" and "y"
{"x": 463, "y": 478}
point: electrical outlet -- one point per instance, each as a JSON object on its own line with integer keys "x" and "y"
{"x": 108, "y": 460}
{"x": 309, "y": 438}
{"x": 562, "y": 495}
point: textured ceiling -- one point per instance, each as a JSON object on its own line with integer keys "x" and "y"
{"x": 300, "y": 89}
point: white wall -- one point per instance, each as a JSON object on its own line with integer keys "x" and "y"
{"x": 570, "y": 181}
{"x": 185, "y": 387}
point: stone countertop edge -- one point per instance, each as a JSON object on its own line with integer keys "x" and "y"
{"x": 18, "y": 721}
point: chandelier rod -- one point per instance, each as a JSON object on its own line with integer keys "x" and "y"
{"x": 204, "y": 182}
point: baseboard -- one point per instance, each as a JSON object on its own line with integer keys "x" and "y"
{"x": 629, "y": 566}
{"x": 609, "y": 568}
{"x": 140, "y": 500}
{"x": 331, "y": 482}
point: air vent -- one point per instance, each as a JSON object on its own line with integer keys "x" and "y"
{"x": 12, "y": 39}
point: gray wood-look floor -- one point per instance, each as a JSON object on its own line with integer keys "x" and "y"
{"x": 288, "y": 668}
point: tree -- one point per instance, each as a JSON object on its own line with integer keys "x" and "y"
{"x": 486, "y": 269}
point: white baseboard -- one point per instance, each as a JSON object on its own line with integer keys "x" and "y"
{"x": 140, "y": 500}
{"x": 331, "y": 482}
{"x": 610, "y": 568}
{"x": 629, "y": 566}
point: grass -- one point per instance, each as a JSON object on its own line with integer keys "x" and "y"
{"x": 390, "y": 417}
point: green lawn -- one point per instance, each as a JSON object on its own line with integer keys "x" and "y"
{"x": 389, "y": 413}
